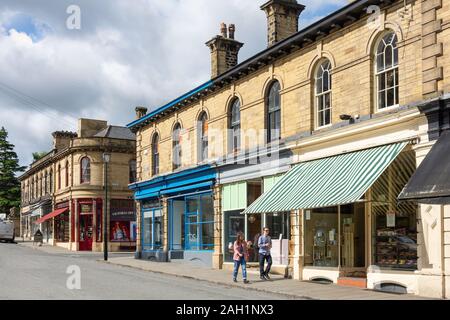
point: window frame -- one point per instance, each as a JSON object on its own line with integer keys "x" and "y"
{"x": 176, "y": 145}
{"x": 67, "y": 174}
{"x": 59, "y": 176}
{"x": 132, "y": 168}
{"x": 202, "y": 137}
{"x": 323, "y": 94}
{"x": 234, "y": 126}
{"x": 155, "y": 154}
{"x": 83, "y": 179}
{"x": 272, "y": 112}
{"x": 394, "y": 68}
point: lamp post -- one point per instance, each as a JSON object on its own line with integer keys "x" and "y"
{"x": 106, "y": 159}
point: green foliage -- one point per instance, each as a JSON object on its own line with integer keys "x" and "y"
{"x": 9, "y": 166}
{"x": 39, "y": 155}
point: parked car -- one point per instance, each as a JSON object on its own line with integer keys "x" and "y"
{"x": 6, "y": 229}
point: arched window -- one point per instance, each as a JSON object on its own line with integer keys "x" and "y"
{"x": 273, "y": 112}
{"x": 132, "y": 169}
{"x": 386, "y": 70}
{"x": 41, "y": 185}
{"x": 46, "y": 182}
{"x": 202, "y": 129}
{"x": 323, "y": 94}
{"x": 85, "y": 170}
{"x": 67, "y": 174}
{"x": 50, "y": 181}
{"x": 155, "y": 154}
{"x": 235, "y": 126}
{"x": 176, "y": 147}
{"x": 32, "y": 188}
{"x": 59, "y": 176}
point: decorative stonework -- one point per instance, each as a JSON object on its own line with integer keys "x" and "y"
{"x": 432, "y": 73}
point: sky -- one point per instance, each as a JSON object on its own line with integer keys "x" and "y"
{"x": 125, "y": 54}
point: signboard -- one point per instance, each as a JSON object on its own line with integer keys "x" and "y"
{"x": 86, "y": 209}
{"x": 280, "y": 251}
{"x": 390, "y": 219}
{"x": 120, "y": 231}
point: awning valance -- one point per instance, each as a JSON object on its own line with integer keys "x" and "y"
{"x": 431, "y": 181}
{"x": 327, "y": 182}
{"x": 51, "y": 215}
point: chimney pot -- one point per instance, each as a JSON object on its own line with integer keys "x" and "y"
{"x": 231, "y": 31}
{"x": 140, "y": 112}
{"x": 223, "y": 30}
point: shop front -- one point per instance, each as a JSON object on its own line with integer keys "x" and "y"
{"x": 351, "y": 224}
{"x": 177, "y": 216}
{"x": 241, "y": 185}
{"x": 122, "y": 224}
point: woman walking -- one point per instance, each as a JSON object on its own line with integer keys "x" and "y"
{"x": 240, "y": 257}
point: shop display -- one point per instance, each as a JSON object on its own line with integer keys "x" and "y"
{"x": 396, "y": 248}
{"x": 324, "y": 248}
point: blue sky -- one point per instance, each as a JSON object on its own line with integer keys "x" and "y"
{"x": 127, "y": 53}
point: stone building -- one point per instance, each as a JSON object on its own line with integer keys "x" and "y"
{"x": 316, "y": 136}
{"x": 63, "y": 193}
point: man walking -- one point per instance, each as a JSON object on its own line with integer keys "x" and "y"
{"x": 264, "y": 245}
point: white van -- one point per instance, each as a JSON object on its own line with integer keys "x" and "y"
{"x": 6, "y": 229}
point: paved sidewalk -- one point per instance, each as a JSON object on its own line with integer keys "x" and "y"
{"x": 278, "y": 284}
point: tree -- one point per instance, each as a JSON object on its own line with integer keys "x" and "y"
{"x": 9, "y": 166}
{"x": 39, "y": 155}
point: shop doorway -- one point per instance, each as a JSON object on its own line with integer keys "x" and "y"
{"x": 86, "y": 232}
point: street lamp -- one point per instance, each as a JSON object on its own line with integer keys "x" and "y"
{"x": 106, "y": 160}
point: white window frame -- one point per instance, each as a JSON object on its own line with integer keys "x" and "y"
{"x": 318, "y": 95}
{"x": 386, "y": 71}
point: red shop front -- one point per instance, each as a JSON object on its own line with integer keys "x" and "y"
{"x": 89, "y": 223}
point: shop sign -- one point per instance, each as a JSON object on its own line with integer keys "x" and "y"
{"x": 122, "y": 214}
{"x": 62, "y": 205}
{"x": 390, "y": 219}
{"x": 86, "y": 208}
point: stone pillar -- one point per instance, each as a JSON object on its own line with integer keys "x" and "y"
{"x": 75, "y": 242}
{"x": 296, "y": 243}
{"x": 218, "y": 226}
{"x": 138, "y": 227}
{"x": 165, "y": 212}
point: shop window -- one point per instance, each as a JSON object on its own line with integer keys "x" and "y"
{"x": 273, "y": 112}
{"x": 62, "y": 227}
{"x": 99, "y": 221}
{"x": 278, "y": 224}
{"x": 122, "y": 218}
{"x": 254, "y": 221}
{"x": 235, "y": 126}
{"x": 199, "y": 223}
{"x": 321, "y": 237}
{"x": 394, "y": 237}
{"x": 386, "y": 69}
{"x": 233, "y": 224}
{"x": 152, "y": 228}
{"x": 323, "y": 94}
{"x": 85, "y": 170}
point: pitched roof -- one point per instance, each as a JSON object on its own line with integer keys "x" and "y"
{"x": 116, "y": 132}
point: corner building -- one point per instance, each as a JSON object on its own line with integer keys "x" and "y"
{"x": 315, "y": 137}
{"x": 63, "y": 194}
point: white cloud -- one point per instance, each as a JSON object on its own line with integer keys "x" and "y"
{"x": 144, "y": 52}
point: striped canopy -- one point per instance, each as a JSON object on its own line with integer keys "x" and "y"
{"x": 327, "y": 182}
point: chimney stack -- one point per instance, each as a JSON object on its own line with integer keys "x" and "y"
{"x": 140, "y": 112}
{"x": 282, "y": 19}
{"x": 224, "y": 50}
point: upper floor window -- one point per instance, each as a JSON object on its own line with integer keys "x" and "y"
{"x": 273, "y": 112}
{"x": 45, "y": 182}
{"x": 32, "y": 188}
{"x": 67, "y": 174}
{"x": 202, "y": 137}
{"x": 50, "y": 184}
{"x": 85, "y": 170}
{"x": 323, "y": 94}
{"x": 176, "y": 147}
{"x": 59, "y": 176}
{"x": 132, "y": 168}
{"x": 155, "y": 154}
{"x": 386, "y": 70}
{"x": 235, "y": 126}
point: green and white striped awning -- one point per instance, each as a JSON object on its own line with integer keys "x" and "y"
{"x": 327, "y": 182}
